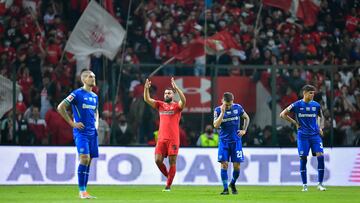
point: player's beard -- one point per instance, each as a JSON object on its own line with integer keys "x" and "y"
{"x": 168, "y": 100}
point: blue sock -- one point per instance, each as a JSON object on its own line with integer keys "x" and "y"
{"x": 235, "y": 176}
{"x": 81, "y": 177}
{"x": 224, "y": 178}
{"x": 87, "y": 173}
{"x": 321, "y": 167}
{"x": 303, "y": 170}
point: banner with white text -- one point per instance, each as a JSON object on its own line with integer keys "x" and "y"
{"x": 195, "y": 166}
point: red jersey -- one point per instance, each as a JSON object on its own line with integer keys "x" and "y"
{"x": 170, "y": 114}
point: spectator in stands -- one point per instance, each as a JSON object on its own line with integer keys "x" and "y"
{"x": 208, "y": 138}
{"x": 352, "y": 134}
{"x": 37, "y": 127}
{"x": 103, "y": 132}
{"x": 121, "y": 133}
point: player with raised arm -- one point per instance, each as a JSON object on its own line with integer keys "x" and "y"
{"x": 84, "y": 105}
{"x": 169, "y": 139}
{"x": 309, "y": 123}
{"x": 227, "y": 119}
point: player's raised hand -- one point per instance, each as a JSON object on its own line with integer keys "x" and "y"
{"x": 241, "y": 132}
{"x": 321, "y": 132}
{"x": 147, "y": 83}
{"x": 223, "y": 108}
{"x": 79, "y": 125}
{"x": 173, "y": 84}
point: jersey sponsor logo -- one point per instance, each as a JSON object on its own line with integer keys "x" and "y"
{"x": 230, "y": 119}
{"x": 87, "y": 106}
{"x": 166, "y": 112}
{"x": 70, "y": 98}
{"x": 235, "y": 111}
{"x": 313, "y": 108}
{"x": 306, "y": 115}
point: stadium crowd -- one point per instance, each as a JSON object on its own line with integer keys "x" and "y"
{"x": 32, "y": 42}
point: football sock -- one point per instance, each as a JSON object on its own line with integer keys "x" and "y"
{"x": 303, "y": 162}
{"x": 81, "y": 177}
{"x": 171, "y": 175}
{"x": 235, "y": 176}
{"x": 87, "y": 173}
{"x": 224, "y": 178}
{"x": 163, "y": 169}
{"x": 321, "y": 166}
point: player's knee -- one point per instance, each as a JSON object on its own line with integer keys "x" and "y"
{"x": 319, "y": 154}
{"x": 236, "y": 167}
{"x": 84, "y": 160}
{"x": 158, "y": 161}
{"x": 224, "y": 165}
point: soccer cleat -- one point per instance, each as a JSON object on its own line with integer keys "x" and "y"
{"x": 321, "y": 187}
{"x": 233, "y": 189}
{"x": 305, "y": 188}
{"x": 225, "y": 192}
{"x": 85, "y": 195}
{"x": 167, "y": 189}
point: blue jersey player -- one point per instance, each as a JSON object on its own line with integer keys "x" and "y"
{"x": 309, "y": 124}
{"x": 84, "y": 105}
{"x": 227, "y": 119}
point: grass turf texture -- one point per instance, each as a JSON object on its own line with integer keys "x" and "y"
{"x": 181, "y": 194}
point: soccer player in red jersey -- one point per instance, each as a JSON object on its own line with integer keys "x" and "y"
{"x": 169, "y": 139}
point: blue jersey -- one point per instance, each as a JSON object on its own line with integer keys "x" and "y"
{"x": 306, "y": 115}
{"x": 230, "y": 123}
{"x": 84, "y": 106}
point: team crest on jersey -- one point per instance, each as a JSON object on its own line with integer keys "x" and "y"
{"x": 307, "y": 108}
{"x": 313, "y": 108}
{"x": 235, "y": 111}
{"x": 70, "y": 98}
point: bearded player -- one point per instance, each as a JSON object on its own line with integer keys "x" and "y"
{"x": 169, "y": 139}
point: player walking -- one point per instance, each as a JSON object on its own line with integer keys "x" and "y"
{"x": 169, "y": 139}
{"x": 84, "y": 105}
{"x": 308, "y": 119}
{"x": 227, "y": 118}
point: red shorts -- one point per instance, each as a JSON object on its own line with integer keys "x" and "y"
{"x": 167, "y": 147}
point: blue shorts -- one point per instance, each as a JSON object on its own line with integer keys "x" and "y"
{"x": 231, "y": 150}
{"x": 313, "y": 142}
{"x": 87, "y": 145}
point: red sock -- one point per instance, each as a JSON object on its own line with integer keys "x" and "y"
{"x": 163, "y": 170}
{"x": 171, "y": 175}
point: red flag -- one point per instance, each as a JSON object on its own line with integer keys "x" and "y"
{"x": 282, "y": 4}
{"x": 306, "y": 10}
{"x": 220, "y": 43}
{"x": 109, "y": 6}
{"x": 191, "y": 51}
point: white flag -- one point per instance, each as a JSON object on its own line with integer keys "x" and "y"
{"x": 6, "y": 95}
{"x": 96, "y": 31}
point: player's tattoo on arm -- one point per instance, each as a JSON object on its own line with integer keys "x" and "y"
{"x": 62, "y": 110}
{"x": 246, "y": 118}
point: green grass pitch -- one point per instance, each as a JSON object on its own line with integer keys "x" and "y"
{"x": 181, "y": 194}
